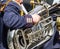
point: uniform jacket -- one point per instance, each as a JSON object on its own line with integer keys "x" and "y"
{"x": 12, "y": 18}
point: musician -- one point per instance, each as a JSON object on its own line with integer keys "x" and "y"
{"x": 13, "y": 20}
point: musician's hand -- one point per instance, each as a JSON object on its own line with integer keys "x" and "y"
{"x": 36, "y": 18}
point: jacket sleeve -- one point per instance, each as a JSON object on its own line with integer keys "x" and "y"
{"x": 15, "y": 21}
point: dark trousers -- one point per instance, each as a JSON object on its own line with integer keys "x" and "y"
{"x": 3, "y": 35}
{"x": 1, "y": 30}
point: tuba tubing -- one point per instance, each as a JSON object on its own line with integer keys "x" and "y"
{"x": 23, "y": 8}
{"x": 11, "y": 33}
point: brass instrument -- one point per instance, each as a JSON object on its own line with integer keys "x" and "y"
{"x": 36, "y": 36}
{"x": 58, "y": 23}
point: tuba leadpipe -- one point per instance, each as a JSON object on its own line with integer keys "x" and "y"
{"x": 23, "y": 8}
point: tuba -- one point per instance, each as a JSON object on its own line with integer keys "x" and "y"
{"x": 39, "y": 34}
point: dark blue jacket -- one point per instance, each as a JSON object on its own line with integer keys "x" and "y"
{"x": 54, "y": 42}
{"x": 3, "y": 1}
{"x": 12, "y": 18}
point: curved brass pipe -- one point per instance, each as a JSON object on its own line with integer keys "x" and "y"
{"x": 58, "y": 23}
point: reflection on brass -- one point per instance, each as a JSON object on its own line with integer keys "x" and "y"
{"x": 58, "y": 23}
{"x": 21, "y": 13}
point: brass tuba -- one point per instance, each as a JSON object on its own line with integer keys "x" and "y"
{"x": 36, "y": 36}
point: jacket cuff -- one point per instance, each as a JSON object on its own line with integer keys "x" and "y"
{"x": 29, "y": 21}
